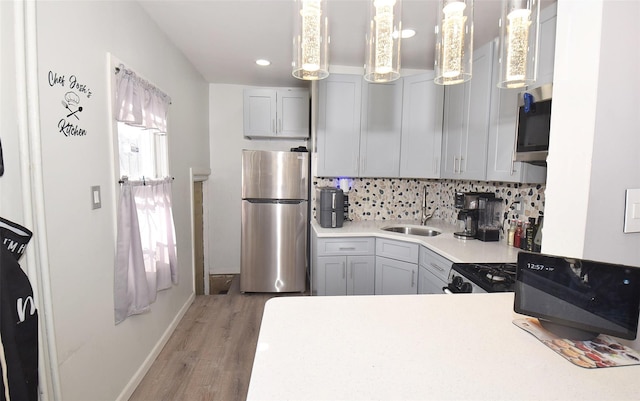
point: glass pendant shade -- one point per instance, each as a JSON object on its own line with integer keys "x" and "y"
{"x": 310, "y": 40}
{"x": 454, "y": 42}
{"x": 382, "y": 62}
{"x": 519, "y": 25}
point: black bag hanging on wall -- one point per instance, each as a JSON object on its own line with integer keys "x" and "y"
{"x": 18, "y": 316}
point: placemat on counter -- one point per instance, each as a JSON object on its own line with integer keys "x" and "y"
{"x": 601, "y": 352}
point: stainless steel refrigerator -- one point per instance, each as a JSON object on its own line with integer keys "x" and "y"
{"x": 275, "y": 187}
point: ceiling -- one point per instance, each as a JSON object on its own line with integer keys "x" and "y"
{"x": 223, "y": 38}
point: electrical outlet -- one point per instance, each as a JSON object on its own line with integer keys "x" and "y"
{"x": 517, "y": 204}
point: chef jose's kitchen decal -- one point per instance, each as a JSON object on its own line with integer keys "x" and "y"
{"x": 73, "y": 98}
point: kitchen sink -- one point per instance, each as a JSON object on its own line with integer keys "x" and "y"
{"x": 413, "y": 230}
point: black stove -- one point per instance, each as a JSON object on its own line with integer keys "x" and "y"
{"x": 482, "y": 277}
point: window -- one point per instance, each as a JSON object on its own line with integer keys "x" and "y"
{"x": 141, "y": 113}
{"x": 142, "y": 152}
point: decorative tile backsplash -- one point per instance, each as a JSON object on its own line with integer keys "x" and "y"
{"x": 395, "y": 198}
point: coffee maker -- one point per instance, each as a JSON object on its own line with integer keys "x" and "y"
{"x": 489, "y": 218}
{"x": 468, "y": 204}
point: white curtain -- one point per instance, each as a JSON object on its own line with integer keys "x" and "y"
{"x": 146, "y": 259}
{"x": 139, "y": 103}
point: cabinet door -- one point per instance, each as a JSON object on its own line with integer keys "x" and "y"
{"x": 394, "y": 277}
{"x": 501, "y": 164}
{"x": 339, "y": 125}
{"x": 452, "y": 130}
{"x": 361, "y": 275}
{"x": 259, "y": 113}
{"x": 421, "y": 140}
{"x": 293, "y": 113}
{"x": 473, "y": 162}
{"x": 381, "y": 126}
{"x": 331, "y": 275}
{"x": 428, "y": 283}
{"x": 547, "y": 45}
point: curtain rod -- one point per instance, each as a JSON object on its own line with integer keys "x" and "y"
{"x": 117, "y": 70}
{"x": 144, "y": 180}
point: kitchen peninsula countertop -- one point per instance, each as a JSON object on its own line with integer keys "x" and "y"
{"x": 445, "y": 244}
{"x": 416, "y": 347}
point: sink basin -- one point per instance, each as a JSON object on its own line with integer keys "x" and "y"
{"x": 413, "y": 230}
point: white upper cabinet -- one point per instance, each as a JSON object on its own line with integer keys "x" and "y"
{"x": 339, "y": 125}
{"x": 276, "y": 113}
{"x": 501, "y": 164}
{"x": 466, "y": 121}
{"x": 421, "y": 140}
{"x": 381, "y": 124}
{"x": 504, "y": 107}
{"x": 547, "y": 45}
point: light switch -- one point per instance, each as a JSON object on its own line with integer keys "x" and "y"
{"x": 632, "y": 211}
{"x": 96, "y": 202}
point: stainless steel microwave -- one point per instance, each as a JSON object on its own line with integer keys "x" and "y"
{"x": 533, "y": 123}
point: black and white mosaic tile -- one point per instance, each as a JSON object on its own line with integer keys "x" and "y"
{"x": 392, "y": 198}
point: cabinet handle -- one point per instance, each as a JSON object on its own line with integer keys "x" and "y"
{"x": 460, "y": 165}
{"x": 413, "y": 278}
{"x": 350, "y": 248}
{"x": 455, "y": 165}
{"x": 436, "y": 267}
{"x": 513, "y": 167}
{"x": 344, "y": 270}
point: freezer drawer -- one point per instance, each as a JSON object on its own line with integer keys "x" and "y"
{"x": 274, "y": 246}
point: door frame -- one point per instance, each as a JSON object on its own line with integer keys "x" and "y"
{"x": 200, "y": 174}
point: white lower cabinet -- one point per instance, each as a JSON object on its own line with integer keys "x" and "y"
{"x": 434, "y": 272}
{"x": 395, "y": 277}
{"x": 343, "y": 266}
{"x": 346, "y": 275}
{"x": 396, "y": 267}
{"x": 429, "y": 283}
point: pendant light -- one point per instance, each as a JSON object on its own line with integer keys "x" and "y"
{"x": 310, "y": 40}
{"x": 454, "y": 42}
{"x": 382, "y": 62}
{"x": 519, "y": 24}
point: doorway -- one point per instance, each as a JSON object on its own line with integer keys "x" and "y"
{"x": 198, "y": 238}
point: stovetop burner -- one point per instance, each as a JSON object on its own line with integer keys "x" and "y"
{"x": 491, "y": 277}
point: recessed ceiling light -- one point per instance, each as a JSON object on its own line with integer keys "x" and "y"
{"x": 405, "y": 33}
{"x": 263, "y": 62}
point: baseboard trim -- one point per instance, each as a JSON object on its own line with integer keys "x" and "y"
{"x": 128, "y": 390}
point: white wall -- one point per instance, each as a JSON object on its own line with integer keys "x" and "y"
{"x": 98, "y": 360}
{"x": 594, "y": 151}
{"x": 226, "y": 144}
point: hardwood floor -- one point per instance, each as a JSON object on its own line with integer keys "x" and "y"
{"x": 210, "y": 354}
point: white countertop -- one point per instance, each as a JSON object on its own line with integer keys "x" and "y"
{"x": 445, "y": 244}
{"x": 416, "y": 347}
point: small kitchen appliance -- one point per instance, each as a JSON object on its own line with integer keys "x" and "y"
{"x": 330, "y": 207}
{"x": 489, "y": 218}
{"x": 481, "y": 278}
{"x": 468, "y": 203}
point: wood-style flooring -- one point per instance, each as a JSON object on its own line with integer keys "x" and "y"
{"x": 210, "y": 354}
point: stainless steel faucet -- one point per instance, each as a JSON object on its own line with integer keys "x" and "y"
{"x": 425, "y": 216}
